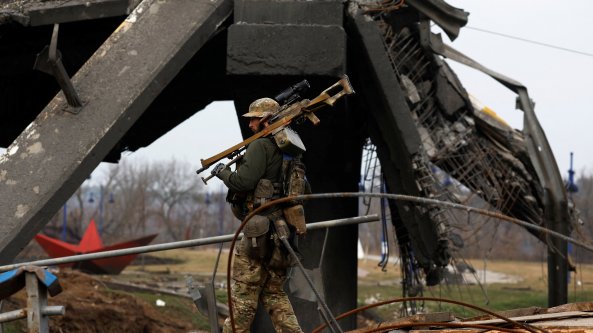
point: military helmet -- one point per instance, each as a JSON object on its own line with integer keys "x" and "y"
{"x": 262, "y": 108}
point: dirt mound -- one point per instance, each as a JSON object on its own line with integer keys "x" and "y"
{"x": 92, "y": 307}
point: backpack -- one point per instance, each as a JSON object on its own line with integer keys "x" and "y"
{"x": 294, "y": 182}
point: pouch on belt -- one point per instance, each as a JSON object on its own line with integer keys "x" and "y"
{"x": 295, "y": 216}
{"x": 255, "y": 241}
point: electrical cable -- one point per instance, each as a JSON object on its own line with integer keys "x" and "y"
{"x": 371, "y": 158}
{"x": 530, "y": 41}
{"x": 384, "y": 235}
{"x": 477, "y": 279}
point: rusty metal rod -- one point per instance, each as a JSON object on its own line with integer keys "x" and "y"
{"x": 13, "y": 315}
{"x": 53, "y": 310}
{"x": 421, "y": 200}
{"x": 176, "y": 245}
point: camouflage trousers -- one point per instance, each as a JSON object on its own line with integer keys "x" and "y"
{"x": 252, "y": 282}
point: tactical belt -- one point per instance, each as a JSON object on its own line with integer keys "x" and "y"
{"x": 256, "y": 202}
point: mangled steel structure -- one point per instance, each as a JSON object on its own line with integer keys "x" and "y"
{"x": 503, "y": 167}
{"x": 141, "y": 68}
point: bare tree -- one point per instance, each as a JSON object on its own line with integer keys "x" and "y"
{"x": 128, "y": 183}
{"x": 173, "y": 205}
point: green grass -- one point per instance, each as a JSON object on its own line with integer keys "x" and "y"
{"x": 177, "y": 307}
{"x": 17, "y": 326}
{"x": 377, "y": 285}
{"x": 498, "y": 297}
{"x": 530, "y": 291}
{"x": 187, "y": 260}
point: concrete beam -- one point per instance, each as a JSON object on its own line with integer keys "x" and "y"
{"x": 319, "y": 12}
{"x": 55, "y": 153}
{"x": 394, "y": 132}
{"x": 36, "y": 13}
{"x": 50, "y": 13}
{"x": 369, "y": 39}
{"x": 275, "y": 49}
{"x": 280, "y": 37}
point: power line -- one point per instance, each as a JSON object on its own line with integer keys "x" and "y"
{"x": 531, "y": 41}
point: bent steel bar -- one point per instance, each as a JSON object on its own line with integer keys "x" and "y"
{"x": 422, "y": 200}
{"x": 556, "y": 211}
{"x": 13, "y": 315}
{"x": 181, "y": 244}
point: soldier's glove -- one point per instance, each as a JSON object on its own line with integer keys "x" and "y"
{"x": 218, "y": 168}
{"x": 281, "y": 228}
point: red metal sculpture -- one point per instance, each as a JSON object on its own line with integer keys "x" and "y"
{"x": 91, "y": 242}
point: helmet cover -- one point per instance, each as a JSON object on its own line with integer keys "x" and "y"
{"x": 261, "y": 108}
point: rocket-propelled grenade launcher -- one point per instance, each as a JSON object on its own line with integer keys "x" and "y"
{"x": 292, "y": 110}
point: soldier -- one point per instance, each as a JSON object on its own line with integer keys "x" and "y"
{"x": 260, "y": 264}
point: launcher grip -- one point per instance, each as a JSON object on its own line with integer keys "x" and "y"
{"x": 330, "y": 95}
{"x": 233, "y": 161}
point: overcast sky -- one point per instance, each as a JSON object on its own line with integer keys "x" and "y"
{"x": 205, "y": 134}
{"x": 560, "y": 82}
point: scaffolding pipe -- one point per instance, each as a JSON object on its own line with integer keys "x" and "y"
{"x": 176, "y": 245}
{"x": 13, "y": 315}
{"x": 53, "y": 310}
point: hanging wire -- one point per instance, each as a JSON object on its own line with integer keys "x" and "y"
{"x": 544, "y": 278}
{"x": 476, "y": 278}
{"x": 489, "y": 251}
{"x": 369, "y": 175}
{"x": 384, "y": 235}
{"x": 411, "y": 284}
{"x": 530, "y": 41}
{"x": 456, "y": 274}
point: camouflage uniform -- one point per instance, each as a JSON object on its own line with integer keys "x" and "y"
{"x": 255, "y": 279}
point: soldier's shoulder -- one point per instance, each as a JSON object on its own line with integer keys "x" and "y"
{"x": 267, "y": 145}
{"x": 265, "y": 141}
{"x": 260, "y": 140}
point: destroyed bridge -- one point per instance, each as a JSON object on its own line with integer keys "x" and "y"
{"x": 84, "y": 80}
